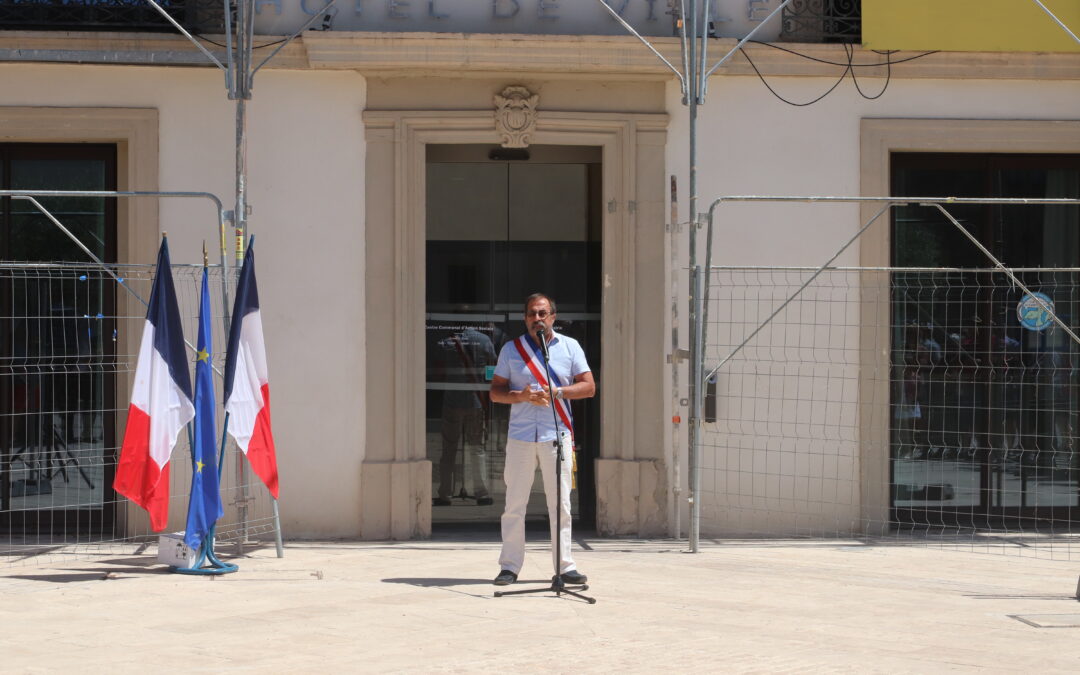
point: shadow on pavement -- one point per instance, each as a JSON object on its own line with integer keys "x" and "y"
{"x": 84, "y": 574}
{"x": 435, "y": 582}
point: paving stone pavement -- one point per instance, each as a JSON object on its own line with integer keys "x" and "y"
{"x": 428, "y": 606}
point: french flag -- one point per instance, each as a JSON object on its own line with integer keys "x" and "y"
{"x": 247, "y": 387}
{"x": 161, "y": 402}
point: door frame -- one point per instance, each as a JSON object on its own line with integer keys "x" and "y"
{"x": 396, "y": 475}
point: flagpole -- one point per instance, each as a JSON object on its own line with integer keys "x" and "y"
{"x": 198, "y": 446}
{"x": 277, "y": 530}
{"x": 211, "y": 536}
{"x": 243, "y": 468}
{"x": 278, "y": 545}
{"x": 241, "y": 465}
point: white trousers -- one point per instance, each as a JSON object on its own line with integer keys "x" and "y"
{"x": 521, "y": 459}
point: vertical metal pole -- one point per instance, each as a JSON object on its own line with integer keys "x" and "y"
{"x": 243, "y": 48}
{"x": 226, "y": 311}
{"x": 241, "y": 167}
{"x": 692, "y": 102}
{"x": 240, "y": 91}
{"x": 695, "y": 414}
{"x": 242, "y": 474}
{"x": 676, "y": 451}
{"x": 694, "y": 89}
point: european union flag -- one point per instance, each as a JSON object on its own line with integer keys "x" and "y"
{"x": 204, "y": 507}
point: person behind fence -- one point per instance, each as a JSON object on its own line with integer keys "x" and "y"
{"x": 468, "y": 352}
{"x": 1057, "y": 400}
{"x": 906, "y": 409}
{"x": 520, "y": 380}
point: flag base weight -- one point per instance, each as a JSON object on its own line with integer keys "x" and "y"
{"x": 174, "y": 552}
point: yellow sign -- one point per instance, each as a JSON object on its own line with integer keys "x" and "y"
{"x": 970, "y": 25}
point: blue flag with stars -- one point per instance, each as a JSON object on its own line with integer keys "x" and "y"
{"x": 204, "y": 507}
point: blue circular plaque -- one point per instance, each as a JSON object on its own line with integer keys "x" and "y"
{"x": 1033, "y": 315}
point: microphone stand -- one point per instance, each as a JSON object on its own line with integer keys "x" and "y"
{"x": 558, "y": 586}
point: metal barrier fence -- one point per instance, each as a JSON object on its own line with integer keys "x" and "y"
{"x": 69, "y": 340}
{"x": 931, "y": 404}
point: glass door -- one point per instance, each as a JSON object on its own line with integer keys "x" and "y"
{"x": 56, "y": 352}
{"x": 984, "y": 401}
{"x": 499, "y": 229}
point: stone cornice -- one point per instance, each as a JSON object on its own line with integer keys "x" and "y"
{"x": 623, "y": 55}
{"x": 559, "y": 55}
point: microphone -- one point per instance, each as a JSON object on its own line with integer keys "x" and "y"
{"x": 541, "y": 335}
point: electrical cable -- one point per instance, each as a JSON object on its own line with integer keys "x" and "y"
{"x": 793, "y": 103}
{"x": 849, "y": 67}
{"x": 218, "y": 44}
{"x": 885, "y": 52}
{"x": 855, "y": 80}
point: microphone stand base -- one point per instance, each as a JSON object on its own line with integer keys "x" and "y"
{"x": 558, "y": 587}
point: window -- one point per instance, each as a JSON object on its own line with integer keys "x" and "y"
{"x": 984, "y": 405}
{"x": 57, "y": 312}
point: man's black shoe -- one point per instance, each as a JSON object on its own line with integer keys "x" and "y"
{"x": 441, "y": 501}
{"x": 505, "y": 578}
{"x": 484, "y": 501}
{"x": 574, "y": 578}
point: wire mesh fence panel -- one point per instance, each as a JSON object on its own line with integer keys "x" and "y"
{"x": 69, "y": 341}
{"x": 939, "y": 404}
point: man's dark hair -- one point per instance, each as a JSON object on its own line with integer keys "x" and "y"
{"x": 537, "y": 296}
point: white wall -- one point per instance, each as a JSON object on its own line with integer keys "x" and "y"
{"x": 306, "y": 162}
{"x": 306, "y": 176}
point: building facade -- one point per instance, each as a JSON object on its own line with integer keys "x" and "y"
{"x": 417, "y": 169}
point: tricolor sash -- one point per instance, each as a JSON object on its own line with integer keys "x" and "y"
{"x": 533, "y": 357}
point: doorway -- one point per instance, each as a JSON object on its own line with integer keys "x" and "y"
{"x": 502, "y": 224}
{"x": 57, "y": 348}
{"x": 984, "y": 400}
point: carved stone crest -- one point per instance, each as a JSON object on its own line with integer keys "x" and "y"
{"x": 515, "y": 116}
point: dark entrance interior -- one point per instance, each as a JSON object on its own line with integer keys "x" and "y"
{"x": 57, "y": 355}
{"x": 984, "y": 396}
{"x": 502, "y": 224}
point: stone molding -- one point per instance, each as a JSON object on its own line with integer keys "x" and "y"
{"x": 515, "y": 116}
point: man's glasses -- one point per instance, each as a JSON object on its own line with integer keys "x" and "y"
{"x": 538, "y": 313}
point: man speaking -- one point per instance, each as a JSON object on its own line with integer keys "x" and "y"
{"x": 521, "y": 380}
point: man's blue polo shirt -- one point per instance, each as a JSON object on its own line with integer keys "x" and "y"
{"x": 530, "y": 422}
